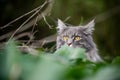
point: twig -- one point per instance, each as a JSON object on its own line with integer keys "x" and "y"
{"x": 31, "y": 22}
{"x": 27, "y": 20}
{"x": 28, "y": 49}
{"x": 67, "y": 18}
{"x": 5, "y": 35}
{"x": 32, "y": 32}
{"x": 23, "y": 34}
{"x": 31, "y": 38}
{"x": 46, "y": 40}
{"x": 46, "y": 21}
{"x": 43, "y": 43}
{"x": 22, "y": 16}
{"x": 34, "y": 24}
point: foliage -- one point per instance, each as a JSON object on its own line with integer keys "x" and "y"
{"x": 64, "y": 64}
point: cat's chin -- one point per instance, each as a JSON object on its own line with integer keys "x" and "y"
{"x": 70, "y": 46}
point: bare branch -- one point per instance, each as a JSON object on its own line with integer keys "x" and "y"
{"x": 31, "y": 38}
{"x": 27, "y": 20}
{"x": 34, "y": 24}
{"x": 45, "y": 40}
{"x": 46, "y": 21}
{"x": 22, "y": 35}
{"x": 32, "y": 21}
{"x": 22, "y": 16}
{"x": 28, "y": 49}
{"x": 67, "y": 18}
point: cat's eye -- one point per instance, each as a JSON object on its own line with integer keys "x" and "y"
{"x": 65, "y": 38}
{"x": 77, "y": 38}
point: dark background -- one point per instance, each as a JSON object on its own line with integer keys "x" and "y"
{"x": 106, "y": 12}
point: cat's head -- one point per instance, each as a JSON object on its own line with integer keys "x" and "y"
{"x": 75, "y": 36}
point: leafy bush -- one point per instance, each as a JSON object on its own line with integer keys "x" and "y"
{"x": 64, "y": 64}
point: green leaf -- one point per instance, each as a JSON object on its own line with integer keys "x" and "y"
{"x": 71, "y": 53}
{"x": 106, "y": 73}
{"x": 17, "y": 64}
{"x": 49, "y": 68}
{"x": 11, "y": 57}
{"x": 116, "y": 60}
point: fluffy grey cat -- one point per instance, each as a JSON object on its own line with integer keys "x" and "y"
{"x": 78, "y": 36}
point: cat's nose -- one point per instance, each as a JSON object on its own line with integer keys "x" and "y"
{"x": 69, "y": 44}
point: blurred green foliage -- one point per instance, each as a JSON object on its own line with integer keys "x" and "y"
{"x": 64, "y": 64}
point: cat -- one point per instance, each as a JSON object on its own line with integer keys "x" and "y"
{"x": 78, "y": 36}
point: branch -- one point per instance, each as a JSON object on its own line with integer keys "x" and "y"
{"x": 46, "y": 11}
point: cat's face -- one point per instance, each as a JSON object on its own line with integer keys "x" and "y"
{"x": 75, "y": 36}
{"x": 71, "y": 36}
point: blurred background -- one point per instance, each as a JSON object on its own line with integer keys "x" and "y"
{"x": 75, "y": 12}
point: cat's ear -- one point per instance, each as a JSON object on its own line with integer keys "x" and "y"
{"x": 90, "y": 26}
{"x": 61, "y": 25}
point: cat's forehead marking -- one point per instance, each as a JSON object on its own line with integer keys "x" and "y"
{"x": 73, "y": 31}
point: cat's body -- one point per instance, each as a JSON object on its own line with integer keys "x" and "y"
{"x": 78, "y": 36}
